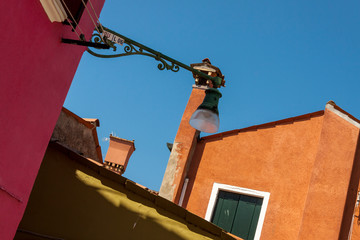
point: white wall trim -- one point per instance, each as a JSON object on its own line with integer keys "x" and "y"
{"x": 54, "y": 9}
{"x": 244, "y": 191}
{"x": 183, "y": 191}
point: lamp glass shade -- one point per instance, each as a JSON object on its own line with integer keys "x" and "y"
{"x": 205, "y": 120}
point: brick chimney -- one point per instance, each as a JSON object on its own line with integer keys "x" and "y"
{"x": 118, "y": 154}
{"x": 186, "y": 136}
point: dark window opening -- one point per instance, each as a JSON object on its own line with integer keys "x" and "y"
{"x": 76, "y": 9}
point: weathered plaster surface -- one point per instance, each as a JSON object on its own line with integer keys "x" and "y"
{"x": 76, "y": 136}
{"x": 183, "y": 148}
{"x": 168, "y": 186}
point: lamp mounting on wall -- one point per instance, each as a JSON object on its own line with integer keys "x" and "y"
{"x": 206, "y": 117}
{"x": 85, "y": 43}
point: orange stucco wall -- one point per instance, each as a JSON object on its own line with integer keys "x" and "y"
{"x": 355, "y": 230}
{"x": 305, "y": 165}
{"x": 328, "y": 189}
{"x": 182, "y": 151}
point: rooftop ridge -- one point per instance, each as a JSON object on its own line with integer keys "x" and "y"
{"x": 264, "y": 125}
{"x": 331, "y": 105}
{"x": 79, "y": 119}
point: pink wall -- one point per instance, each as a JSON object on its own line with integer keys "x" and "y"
{"x": 36, "y": 73}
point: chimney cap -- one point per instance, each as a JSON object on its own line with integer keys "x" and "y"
{"x": 117, "y": 139}
{"x": 206, "y": 65}
{"x": 208, "y": 69}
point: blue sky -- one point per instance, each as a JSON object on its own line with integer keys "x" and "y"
{"x": 280, "y": 59}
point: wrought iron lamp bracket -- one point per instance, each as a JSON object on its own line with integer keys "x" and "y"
{"x": 134, "y": 48}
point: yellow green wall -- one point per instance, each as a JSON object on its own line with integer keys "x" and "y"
{"x": 73, "y": 201}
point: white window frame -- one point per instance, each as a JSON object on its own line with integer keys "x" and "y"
{"x": 243, "y": 191}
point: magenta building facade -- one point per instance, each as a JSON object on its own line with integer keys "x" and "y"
{"x": 36, "y": 74}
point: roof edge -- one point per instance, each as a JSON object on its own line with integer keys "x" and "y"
{"x": 90, "y": 126}
{"x": 77, "y": 118}
{"x": 94, "y": 121}
{"x": 132, "y": 142}
{"x": 331, "y": 106}
{"x": 146, "y": 193}
{"x": 264, "y": 125}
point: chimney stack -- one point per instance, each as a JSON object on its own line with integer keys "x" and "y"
{"x": 186, "y": 137}
{"x": 118, "y": 154}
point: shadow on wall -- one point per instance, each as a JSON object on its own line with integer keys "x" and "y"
{"x": 194, "y": 166}
{"x": 69, "y": 201}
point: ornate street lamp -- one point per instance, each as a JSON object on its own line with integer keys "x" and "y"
{"x": 206, "y": 117}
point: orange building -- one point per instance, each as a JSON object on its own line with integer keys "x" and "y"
{"x": 295, "y": 178}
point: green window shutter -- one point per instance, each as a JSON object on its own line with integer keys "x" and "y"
{"x": 255, "y": 218}
{"x": 238, "y": 214}
{"x": 247, "y": 216}
{"x": 225, "y": 210}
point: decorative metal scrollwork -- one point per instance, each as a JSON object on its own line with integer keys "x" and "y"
{"x": 110, "y": 38}
{"x": 132, "y": 48}
{"x": 96, "y": 38}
